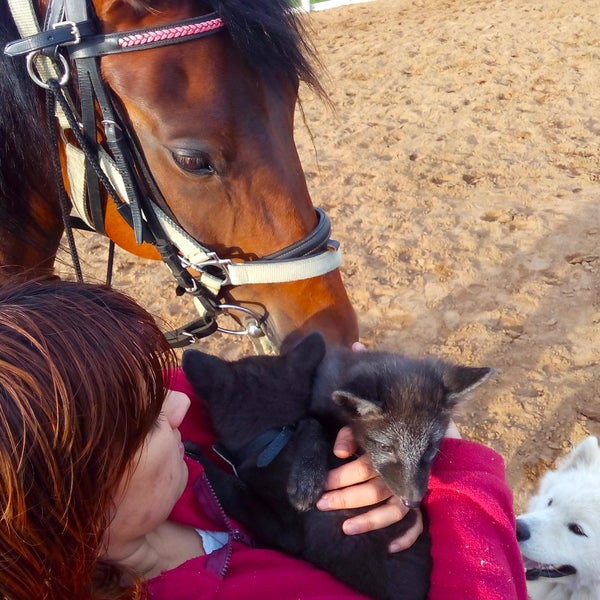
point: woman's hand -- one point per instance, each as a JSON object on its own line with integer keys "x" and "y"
{"x": 354, "y": 485}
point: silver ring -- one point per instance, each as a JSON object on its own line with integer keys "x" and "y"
{"x": 253, "y": 329}
{"x": 34, "y": 74}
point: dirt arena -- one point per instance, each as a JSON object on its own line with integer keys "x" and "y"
{"x": 460, "y": 170}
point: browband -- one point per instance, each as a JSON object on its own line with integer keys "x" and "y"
{"x": 83, "y": 44}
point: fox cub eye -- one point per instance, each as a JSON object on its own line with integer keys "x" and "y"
{"x": 549, "y": 502}
{"x": 385, "y": 447}
{"x": 430, "y": 455}
{"x": 573, "y": 527}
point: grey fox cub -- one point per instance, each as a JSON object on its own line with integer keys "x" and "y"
{"x": 276, "y": 419}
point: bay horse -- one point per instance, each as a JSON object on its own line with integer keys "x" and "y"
{"x": 174, "y": 122}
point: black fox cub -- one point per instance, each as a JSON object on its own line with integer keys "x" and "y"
{"x": 277, "y": 417}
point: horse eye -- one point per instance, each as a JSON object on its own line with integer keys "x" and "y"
{"x": 574, "y": 528}
{"x": 194, "y": 162}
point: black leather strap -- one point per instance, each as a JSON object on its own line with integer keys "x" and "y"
{"x": 88, "y": 119}
{"x": 314, "y": 242}
{"x": 191, "y": 332}
{"x": 144, "y": 39}
{"x": 61, "y": 34}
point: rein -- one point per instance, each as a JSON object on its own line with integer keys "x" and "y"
{"x": 70, "y": 37}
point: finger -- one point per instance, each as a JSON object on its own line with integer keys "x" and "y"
{"x": 360, "y": 495}
{"x": 389, "y": 512}
{"x": 345, "y": 445}
{"x": 409, "y": 537}
{"x": 356, "y": 471}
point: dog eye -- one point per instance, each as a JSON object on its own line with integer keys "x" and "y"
{"x": 573, "y": 527}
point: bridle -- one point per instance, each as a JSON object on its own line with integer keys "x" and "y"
{"x": 70, "y": 36}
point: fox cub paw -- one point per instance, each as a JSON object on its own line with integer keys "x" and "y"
{"x": 305, "y": 487}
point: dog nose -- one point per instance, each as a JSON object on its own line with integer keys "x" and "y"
{"x": 523, "y": 532}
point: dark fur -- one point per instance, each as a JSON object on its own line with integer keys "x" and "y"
{"x": 399, "y": 410}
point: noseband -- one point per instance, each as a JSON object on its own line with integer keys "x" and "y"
{"x": 70, "y": 36}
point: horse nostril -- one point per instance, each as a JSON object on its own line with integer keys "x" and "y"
{"x": 523, "y": 532}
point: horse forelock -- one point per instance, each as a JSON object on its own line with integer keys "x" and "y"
{"x": 271, "y": 37}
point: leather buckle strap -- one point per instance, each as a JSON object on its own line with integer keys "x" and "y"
{"x": 65, "y": 33}
{"x": 192, "y": 332}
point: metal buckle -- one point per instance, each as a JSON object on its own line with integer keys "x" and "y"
{"x": 215, "y": 261}
{"x": 74, "y": 32}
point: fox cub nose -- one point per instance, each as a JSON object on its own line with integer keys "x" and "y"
{"x": 523, "y": 532}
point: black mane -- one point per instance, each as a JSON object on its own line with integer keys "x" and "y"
{"x": 24, "y": 146}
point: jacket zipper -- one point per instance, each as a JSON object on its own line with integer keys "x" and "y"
{"x": 234, "y": 533}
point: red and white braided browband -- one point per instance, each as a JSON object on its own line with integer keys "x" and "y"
{"x": 169, "y": 33}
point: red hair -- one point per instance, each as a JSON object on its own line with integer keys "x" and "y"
{"x": 81, "y": 384}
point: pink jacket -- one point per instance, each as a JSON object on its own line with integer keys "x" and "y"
{"x": 474, "y": 548}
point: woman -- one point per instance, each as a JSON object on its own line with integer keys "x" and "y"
{"x": 81, "y": 386}
{"x": 99, "y": 502}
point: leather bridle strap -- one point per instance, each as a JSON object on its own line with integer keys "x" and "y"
{"x": 82, "y": 33}
{"x": 151, "y": 37}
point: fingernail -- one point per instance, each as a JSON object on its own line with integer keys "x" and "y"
{"x": 323, "y": 503}
{"x": 393, "y": 547}
{"x": 350, "y": 528}
{"x": 342, "y": 447}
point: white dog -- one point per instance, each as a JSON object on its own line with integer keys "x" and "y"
{"x": 560, "y": 535}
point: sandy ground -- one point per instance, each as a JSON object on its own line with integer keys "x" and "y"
{"x": 460, "y": 170}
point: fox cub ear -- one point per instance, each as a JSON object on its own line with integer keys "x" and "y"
{"x": 461, "y": 381}
{"x": 306, "y": 356}
{"x": 205, "y": 372}
{"x": 584, "y": 455}
{"x": 355, "y": 406}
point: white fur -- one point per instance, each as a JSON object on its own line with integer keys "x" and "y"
{"x": 568, "y": 497}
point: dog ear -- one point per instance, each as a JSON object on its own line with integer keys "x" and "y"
{"x": 355, "y": 406}
{"x": 207, "y": 374}
{"x": 461, "y": 381}
{"x": 586, "y": 454}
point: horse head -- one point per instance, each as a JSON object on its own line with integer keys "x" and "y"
{"x": 212, "y": 123}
